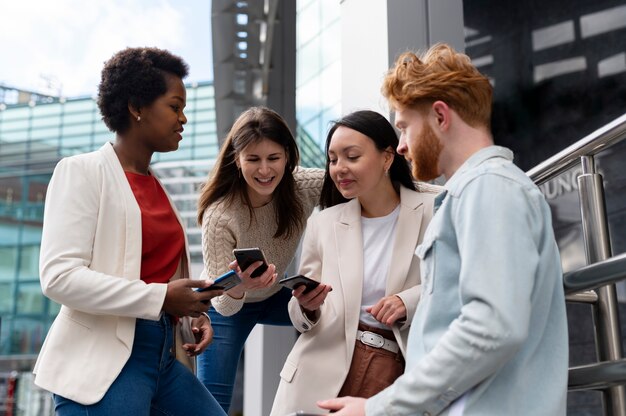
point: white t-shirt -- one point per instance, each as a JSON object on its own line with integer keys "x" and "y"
{"x": 378, "y": 239}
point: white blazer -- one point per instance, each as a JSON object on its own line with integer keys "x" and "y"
{"x": 90, "y": 263}
{"x": 332, "y": 252}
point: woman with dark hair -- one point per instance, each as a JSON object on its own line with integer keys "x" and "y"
{"x": 362, "y": 248}
{"x": 114, "y": 254}
{"x": 256, "y": 196}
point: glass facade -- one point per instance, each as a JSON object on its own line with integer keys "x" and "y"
{"x": 33, "y": 138}
{"x": 318, "y": 67}
{"x": 559, "y": 69}
{"x": 559, "y": 74}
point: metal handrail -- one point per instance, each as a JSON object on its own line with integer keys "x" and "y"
{"x": 606, "y": 136}
{"x": 597, "y": 376}
{"x": 593, "y": 276}
{"x": 602, "y": 271}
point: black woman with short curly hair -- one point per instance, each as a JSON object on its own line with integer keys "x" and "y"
{"x": 115, "y": 256}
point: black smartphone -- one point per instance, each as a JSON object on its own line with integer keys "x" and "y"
{"x": 295, "y": 282}
{"x": 225, "y": 282}
{"x": 246, "y": 256}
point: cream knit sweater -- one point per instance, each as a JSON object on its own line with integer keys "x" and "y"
{"x": 226, "y": 227}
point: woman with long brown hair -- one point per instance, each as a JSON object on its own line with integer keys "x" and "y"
{"x": 256, "y": 196}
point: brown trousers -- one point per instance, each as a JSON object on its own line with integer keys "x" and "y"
{"x": 372, "y": 369}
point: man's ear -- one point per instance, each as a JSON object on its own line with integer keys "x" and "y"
{"x": 442, "y": 115}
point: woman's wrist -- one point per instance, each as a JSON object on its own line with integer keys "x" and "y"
{"x": 236, "y": 293}
{"x": 207, "y": 316}
{"x": 312, "y": 315}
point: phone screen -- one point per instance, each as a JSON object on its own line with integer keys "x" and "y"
{"x": 295, "y": 282}
{"x": 225, "y": 282}
{"x": 246, "y": 256}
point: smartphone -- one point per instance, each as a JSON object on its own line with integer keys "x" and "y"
{"x": 225, "y": 282}
{"x": 246, "y": 256}
{"x": 295, "y": 282}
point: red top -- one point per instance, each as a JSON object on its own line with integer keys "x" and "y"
{"x": 162, "y": 236}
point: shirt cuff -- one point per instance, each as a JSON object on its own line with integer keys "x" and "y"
{"x": 227, "y": 306}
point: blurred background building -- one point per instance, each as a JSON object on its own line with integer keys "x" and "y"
{"x": 559, "y": 73}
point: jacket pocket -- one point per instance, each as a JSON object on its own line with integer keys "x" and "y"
{"x": 79, "y": 318}
{"x": 288, "y": 371}
{"x": 426, "y": 252}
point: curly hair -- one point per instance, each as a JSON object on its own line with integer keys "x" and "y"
{"x": 134, "y": 76}
{"x": 440, "y": 74}
{"x": 226, "y": 183}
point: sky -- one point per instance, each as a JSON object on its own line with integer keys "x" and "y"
{"x": 58, "y": 47}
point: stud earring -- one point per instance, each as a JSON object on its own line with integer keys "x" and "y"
{"x": 138, "y": 118}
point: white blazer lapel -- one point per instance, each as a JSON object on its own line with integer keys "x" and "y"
{"x": 132, "y": 258}
{"x": 349, "y": 243}
{"x": 407, "y": 235}
{"x": 132, "y": 263}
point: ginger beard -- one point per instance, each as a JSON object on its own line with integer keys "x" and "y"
{"x": 425, "y": 155}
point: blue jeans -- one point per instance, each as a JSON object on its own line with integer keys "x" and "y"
{"x": 152, "y": 382}
{"x": 217, "y": 366}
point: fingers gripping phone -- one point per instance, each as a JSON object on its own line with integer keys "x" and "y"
{"x": 225, "y": 282}
{"x": 295, "y": 282}
{"x": 246, "y": 256}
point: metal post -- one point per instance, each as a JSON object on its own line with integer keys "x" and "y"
{"x": 597, "y": 248}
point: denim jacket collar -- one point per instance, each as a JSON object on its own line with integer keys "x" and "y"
{"x": 459, "y": 177}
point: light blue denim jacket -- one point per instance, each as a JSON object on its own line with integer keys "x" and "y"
{"x": 491, "y": 322}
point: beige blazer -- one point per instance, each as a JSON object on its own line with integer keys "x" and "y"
{"x": 90, "y": 263}
{"x": 332, "y": 253}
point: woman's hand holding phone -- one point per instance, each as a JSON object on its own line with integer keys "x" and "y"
{"x": 267, "y": 279}
{"x": 311, "y": 301}
{"x": 182, "y": 300}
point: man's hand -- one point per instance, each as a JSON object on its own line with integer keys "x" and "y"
{"x": 345, "y": 406}
{"x": 203, "y": 333}
{"x": 388, "y": 310}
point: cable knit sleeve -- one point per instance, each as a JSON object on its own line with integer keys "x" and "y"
{"x": 309, "y": 185}
{"x": 218, "y": 241}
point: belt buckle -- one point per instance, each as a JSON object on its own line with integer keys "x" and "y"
{"x": 372, "y": 339}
